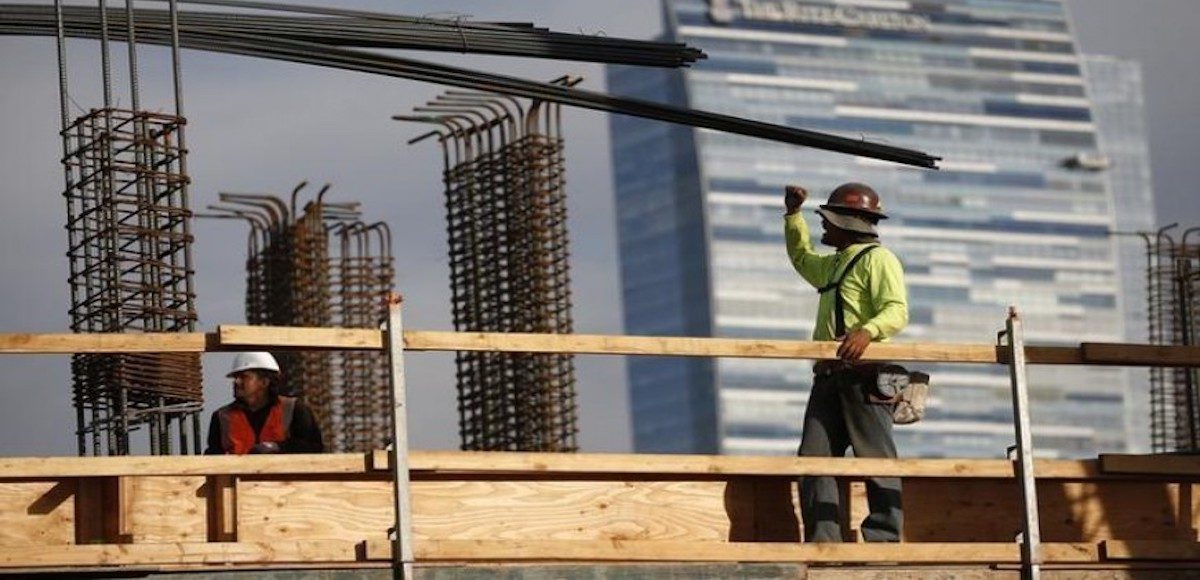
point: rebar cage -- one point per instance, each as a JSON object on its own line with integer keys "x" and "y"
{"x": 507, "y": 232}
{"x": 1173, "y": 291}
{"x": 319, "y": 266}
{"x": 129, "y": 254}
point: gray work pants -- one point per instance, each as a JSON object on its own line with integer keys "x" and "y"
{"x": 838, "y": 417}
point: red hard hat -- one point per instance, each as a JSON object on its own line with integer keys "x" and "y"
{"x": 857, "y": 199}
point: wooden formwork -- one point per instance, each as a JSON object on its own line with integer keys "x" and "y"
{"x": 335, "y": 510}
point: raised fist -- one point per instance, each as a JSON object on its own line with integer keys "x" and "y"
{"x": 794, "y": 197}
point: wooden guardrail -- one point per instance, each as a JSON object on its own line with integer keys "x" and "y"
{"x": 336, "y": 509}
{"x": 234, "y": 337}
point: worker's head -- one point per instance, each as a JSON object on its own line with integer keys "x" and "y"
{"x": 850, "y": 215}
{"x": 255, "y": 376}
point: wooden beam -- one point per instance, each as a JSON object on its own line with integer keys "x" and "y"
{"x": 1150, "y": 550}
{"x": 240, "y": 337}
{"x": 689, "y": 346}
{"x": 719, "y": 465}
{"x": 532, "y": 463}
{"x": 84, "y": 343}
{"x": 216, "y": 553}
{"x": 682, "y": 551}
{"x": 16, "y": 467}
{"x": 1181, "y": 465}
{"x": 1140, "y": 354}
{"x": 288, "y": 337}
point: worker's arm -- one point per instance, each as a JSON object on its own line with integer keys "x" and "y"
{"x": 214, "y": 437}
{"x": 885, "y": 287}
{"x": 304, "y": 435}
{"x": 815, "y": 268}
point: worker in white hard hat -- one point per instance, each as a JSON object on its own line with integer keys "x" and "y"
{"x": 260, "y": 420}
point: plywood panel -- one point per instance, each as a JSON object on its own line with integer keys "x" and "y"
{"x": 271, "y": 511}
{"x": 989, "y": 510}
{"x": 37, "y": 513}
{"x": 166, "y": 509}
{"x": 574, "y": 510}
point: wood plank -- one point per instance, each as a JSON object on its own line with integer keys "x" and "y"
{"x": 582, "y": 510}
{"x": 73, "y": 343}
{"x": 980, "y": 510}
{"x": 49, "y": 467}
{"x": 1181, "y": 465}
{"x": 1140, "y": 354}
{"x": 717, "y": 465}
{"x": 675, "y": 551}
{"x": 1151, "y": 550}
{"x": 34, "y": 513}
{"x": 215, "y": 553}
{"x": 288, "y": 337}
{"x": 313, "y": 510}
{"x": 171, "y": 509}
{"x": 532, "y": 463}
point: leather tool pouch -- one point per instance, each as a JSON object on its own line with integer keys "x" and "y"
{"x": 906, "y": 391}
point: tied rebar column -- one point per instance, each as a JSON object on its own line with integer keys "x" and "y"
{"x": 130, "y": 272}
{"x": 1173, "y": 283}
{"x": 129, "y": 254}
{"x": 506, "y": 215}
{"x": 319, "y": 266}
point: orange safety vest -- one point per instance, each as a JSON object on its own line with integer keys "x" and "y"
{"x": 238, "y": 437}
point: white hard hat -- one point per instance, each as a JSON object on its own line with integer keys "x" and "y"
{"x": 245, "y": 361}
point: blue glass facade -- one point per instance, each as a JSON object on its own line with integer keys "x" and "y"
{"x": 1115, "y": 89}
{"x": 993, "y": 86}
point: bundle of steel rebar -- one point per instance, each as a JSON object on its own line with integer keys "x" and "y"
{"x": 266, "y": 43}
{"x": 506, "y": 220}
{"x": 373, "y": 30}
{"x": 295, "y": 276}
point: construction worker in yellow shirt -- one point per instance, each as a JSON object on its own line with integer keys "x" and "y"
{"x": 862, "y": 300}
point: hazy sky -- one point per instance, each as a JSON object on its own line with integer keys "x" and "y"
{"x": 263, "y": 126}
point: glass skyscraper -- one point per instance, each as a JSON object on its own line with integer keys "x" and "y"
{"x": 1115, "y": 88}
{"x": 996, "y": 88}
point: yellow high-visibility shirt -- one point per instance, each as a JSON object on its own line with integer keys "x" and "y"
{"x": 873, "y": 292}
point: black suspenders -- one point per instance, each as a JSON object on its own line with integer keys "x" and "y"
{"x": 839, "y": 316}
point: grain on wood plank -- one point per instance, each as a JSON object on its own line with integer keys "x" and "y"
{"x": 34, "y": 513}
{"x": 688, "y": 346}
{"x": 675, "y": 551}
{"x": 71, "y": 343}
{"x": 1140, "y": 354}
{"x": 1182, "y": 465}
{"x": 980, "y": 510}
{"x": 1150, "y": 550}
{"x": 215, "y": 553}
{"x": 577, "y": 510}
{"x": 49, "y": 467}
{"x": 284, "y": 337}
{"x": 495, "y": 462}
{"x": 313, "y": 510}
{"x": 166, "y": 509}
{"x": 532, "y": 463}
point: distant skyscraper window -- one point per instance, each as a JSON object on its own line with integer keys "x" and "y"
{"x": 994, "y": 87}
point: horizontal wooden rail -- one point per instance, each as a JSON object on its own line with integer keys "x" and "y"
{"x": 230, "y": 338}
{"x": 550, "y": 464}
{"x": 777, "y": 552}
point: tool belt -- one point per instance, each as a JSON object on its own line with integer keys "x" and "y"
{"x": 886, "y": 384}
